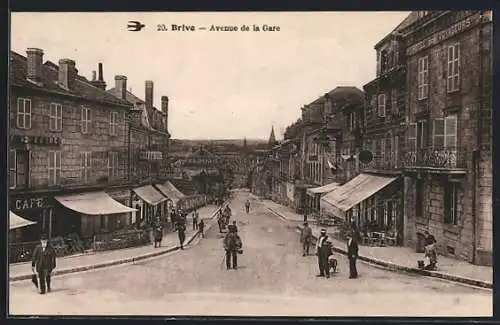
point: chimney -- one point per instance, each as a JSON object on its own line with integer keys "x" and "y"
{"x": 164, "y": 108}
{"x": 99, "y": 83}
{"x": 67, "y": 73}
{"x": 149, "y": 94}
{"x": 121, "y": 86}
{"x": 93, "y": 76}
{"x": 35, "y": 64}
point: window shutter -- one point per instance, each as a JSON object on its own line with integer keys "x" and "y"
{"x": 438, "y": 133}
{"x": 450, "y": 126}
{"x": 82, "y": 120}
{"x": 27, "y": 110}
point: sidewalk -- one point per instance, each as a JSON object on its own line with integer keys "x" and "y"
{"x": 399, "y": 258}
{"x": 85, "y": 262}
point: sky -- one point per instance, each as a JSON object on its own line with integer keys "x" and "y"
{"x": 221, "y": 85}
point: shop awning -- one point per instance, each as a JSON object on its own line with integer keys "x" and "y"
{"x": 170, "y": 191}
{"x": 344, "y": 197}
{"x": 94, "y": 203}
{"x": 16, "y": 221}
{"x": 322, "y": 189}
{"x": 149, "y": 194}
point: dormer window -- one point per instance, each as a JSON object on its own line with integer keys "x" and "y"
{"x": 422, "y": 14}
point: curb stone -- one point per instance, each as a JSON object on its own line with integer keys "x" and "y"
{"x": 119, "y": 261}
{"x": 411, "y": 270}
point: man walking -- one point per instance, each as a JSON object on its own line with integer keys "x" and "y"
{"x": 232, "y": 243}
{"x": 195, "y": 220}
{"x": 306, "y": 238}
{"x": 352, "y": 254}
{"x": 201, "y": 226}
{"x": 247, "y": 206}
{"x": 43, "y": 262}
{"x": 181, "y": 232}
{"x": 322, "y": 251}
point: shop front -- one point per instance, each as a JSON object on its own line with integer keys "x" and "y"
{"x": 98, "y": 212}
{"x": 123, "y": 196}
{"x": 172, "y": 193}
{"x": 34, "y": 208}
{"x": 372, "y": 201}
{"x": 301, "y": 198}
{"x": 315, "y": 194}
{"x": 154, "y": 204}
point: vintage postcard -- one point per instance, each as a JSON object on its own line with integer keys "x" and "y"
{"x": 251, "y": 163}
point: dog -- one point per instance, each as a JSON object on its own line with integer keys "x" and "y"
{"x": 332, "y": 263}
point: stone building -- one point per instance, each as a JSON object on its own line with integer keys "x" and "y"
{"x": 448, "y": 158}
{"x": 148, "y": 145}
{"x": 384, "y": 135}
{"x": 67, "y": 148}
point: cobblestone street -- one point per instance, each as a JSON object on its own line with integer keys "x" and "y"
{"x": 273, "y": 279}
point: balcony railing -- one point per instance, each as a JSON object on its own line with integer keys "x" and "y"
{"x": 382, "y": 163}
{"x": 432, "y": 157}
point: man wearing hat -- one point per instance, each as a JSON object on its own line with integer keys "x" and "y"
{"x": 306, "y": 238}
{"x": 322, "y": 251}
{"x": 43, "y": 262}
{"x": 352, "y": 254}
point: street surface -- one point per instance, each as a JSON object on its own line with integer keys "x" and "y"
{"x": 273, "y": 279}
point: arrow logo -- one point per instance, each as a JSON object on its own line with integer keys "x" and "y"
{"x": 135, "y": 26}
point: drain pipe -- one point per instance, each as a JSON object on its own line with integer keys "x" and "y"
{"x": 477, "y": 152}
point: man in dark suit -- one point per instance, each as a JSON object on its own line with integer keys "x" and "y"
{"x": 322, "y": 251}
{"x": 43, "y": 262}
{"x": 352, "y": 254}
{"x": 181, "y": 231}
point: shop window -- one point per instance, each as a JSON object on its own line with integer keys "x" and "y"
{"x": 451, "y": 203}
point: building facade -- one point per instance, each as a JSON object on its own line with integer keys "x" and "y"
{"x": 67, "y": 137}
{"x": 447, "y": 162}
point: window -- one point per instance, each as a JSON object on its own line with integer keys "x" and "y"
{"x": 381, "y": 105}
{"x": 412, "y": 137}
{"x": 396, "y": 151}
{"x": 86, "y": 120}
{"x": 382, "y": 150}
{"x": 54, "y": 167}
{"x": 86, "y": 166}
{"x": 419, "y": 198}
{"x": 12, "y": 168}
{"x": 453, "y": 71}
{"x": 423, "y": 78}
{"x": 24, "y": 113}
{"x": 352, "y": 121}
{"x": 421, "y": 134}
{"x": 55, "y": 117}
{"x": 378, "y": 63}
{"x": 113, "y": 122}
{"x": 113, "y": 164}
{"x": 374, "y": 147}
{"x": 394, "y": 101}
{"x": 445, "y": 132}
{"x": 450, "y": 203}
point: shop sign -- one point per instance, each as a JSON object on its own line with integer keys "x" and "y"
{"x": 30, "y": 203}
{"x": 37, "y": 140}
{"x": 151, "y": 155}
{"x": 443, "y": 35}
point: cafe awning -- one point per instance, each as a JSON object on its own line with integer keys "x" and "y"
{"x": 16, "y": 221}
{"x": 94, "y": 203}
{"x": 169, "y": 190}
{"x": 344, "y": 197}
{"x": 149, "y": 194}
{"x": 322, "y": 189}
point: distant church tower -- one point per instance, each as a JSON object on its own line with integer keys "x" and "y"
{"x": 272, "y": 139}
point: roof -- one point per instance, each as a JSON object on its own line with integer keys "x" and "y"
{"x": 340, "y": 93}
{"x": 410, "y": 19}
{"x": 83, "y": 88}
{"x": 131, "y": 98}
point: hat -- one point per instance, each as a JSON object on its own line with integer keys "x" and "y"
{"x": 305, "y": 223}
{"x": 323, "y": 231}
{"x": 43, "y": 237}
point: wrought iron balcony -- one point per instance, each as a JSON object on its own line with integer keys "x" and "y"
{"x": 391, "y": 162}
{"x": 438, "y": 158}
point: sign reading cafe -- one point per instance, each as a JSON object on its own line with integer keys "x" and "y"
{"x": 30, "y": 203}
